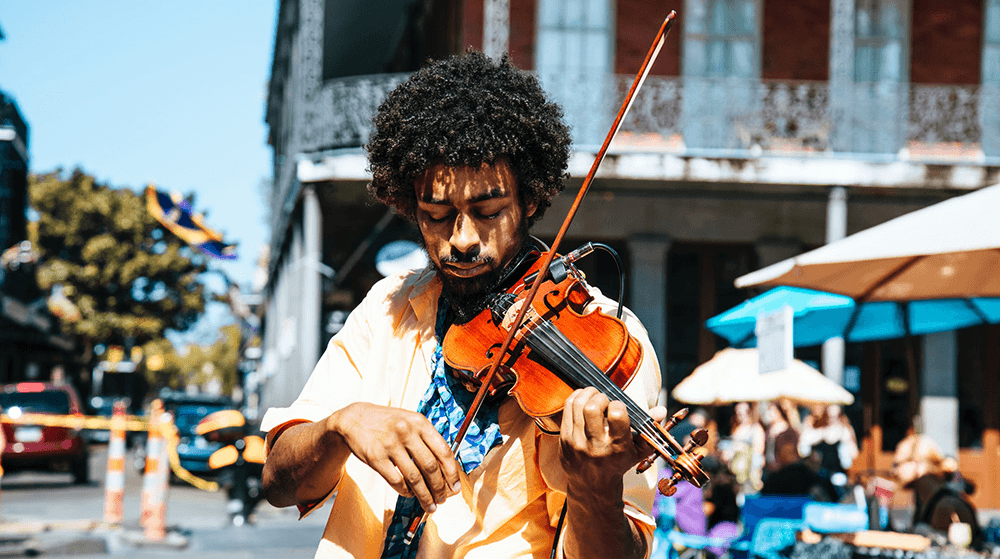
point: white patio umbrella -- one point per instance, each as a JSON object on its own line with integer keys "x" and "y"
{"x": 732, "y": 376}
{"x": 948, "y": 250}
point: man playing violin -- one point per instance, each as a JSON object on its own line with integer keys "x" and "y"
{"x": 471, "y": 150}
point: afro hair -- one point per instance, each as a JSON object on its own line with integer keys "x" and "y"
{"x": 468, "y": 110}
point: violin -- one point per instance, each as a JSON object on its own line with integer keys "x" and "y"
{"x": 562, "y": 346}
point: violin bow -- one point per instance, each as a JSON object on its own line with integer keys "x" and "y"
{"x": 640, "y": 78}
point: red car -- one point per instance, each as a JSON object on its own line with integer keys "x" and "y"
{"x": 35, "y": 447}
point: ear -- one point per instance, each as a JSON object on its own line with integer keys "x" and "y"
{"x": 530, "y": 208}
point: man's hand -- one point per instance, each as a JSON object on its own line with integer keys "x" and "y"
{"x": 403, "y": 447}
{"x": 597, "y": 448}
{"x": 596, "y": 439}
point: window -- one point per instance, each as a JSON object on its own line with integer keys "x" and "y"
{"x": 573, "y": 61}
{"x": 722, "y": 39}
{"x": 878, "y": 41}
{"x": 574, "y": 37}
{"x": 991, "y": 44}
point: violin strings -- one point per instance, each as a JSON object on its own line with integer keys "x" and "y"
{"x": 583, "y": 366}
{"x": 552, "y": 344}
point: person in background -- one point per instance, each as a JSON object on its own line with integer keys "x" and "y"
{"x": 782, "y": 446}
{"x": 745, "y": 455}
{"x": 720, "y": 508}
{"x": 918, "y": 465}
{"x": 828, "y": 433}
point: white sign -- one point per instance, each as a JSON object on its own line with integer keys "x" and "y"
{"x": 774, "y": 339}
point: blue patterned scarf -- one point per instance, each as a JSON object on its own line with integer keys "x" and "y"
{"x": 445, "y": 404}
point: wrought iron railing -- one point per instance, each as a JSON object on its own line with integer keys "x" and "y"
{"x": 685, "y": 115}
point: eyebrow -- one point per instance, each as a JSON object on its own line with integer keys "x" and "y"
{"x": 492, "y": 194}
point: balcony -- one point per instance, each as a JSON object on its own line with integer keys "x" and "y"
{"x": 733, "y": 117}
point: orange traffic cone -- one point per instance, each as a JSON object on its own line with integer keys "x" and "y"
{"x": 153, "y": 490}
{"x": 114, "y": 484}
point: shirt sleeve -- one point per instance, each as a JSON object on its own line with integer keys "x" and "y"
{"x": 337, "y": 377}
{"x": 334, "y": 383}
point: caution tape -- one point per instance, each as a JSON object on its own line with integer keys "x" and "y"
{"x": 132, "y": 423}
{"x": 170, "y": 432}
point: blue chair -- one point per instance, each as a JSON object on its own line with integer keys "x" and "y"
{"x": 670, "y": 543}
{"x": 773, "y": 535}
{"x": 766, "y": 507}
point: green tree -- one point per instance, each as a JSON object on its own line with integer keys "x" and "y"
{"x": 166, "y": 367}
{"x": 130, "y": 278}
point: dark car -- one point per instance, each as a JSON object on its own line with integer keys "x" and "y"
{"x": 187, "y": 410}
{"x": 36, "y": 447}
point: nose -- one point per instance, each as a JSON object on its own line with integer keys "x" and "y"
{"x": 465, "y": 236}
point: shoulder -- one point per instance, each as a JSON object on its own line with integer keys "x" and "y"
{"x": 397, "y": 295}
{"x": 610, "y": 307}
{"x": 400, "y": 285}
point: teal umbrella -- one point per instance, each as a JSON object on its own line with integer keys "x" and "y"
{"x": 819, "y": 316}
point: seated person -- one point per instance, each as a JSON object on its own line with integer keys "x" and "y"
{"x": 919, "y": 466}
{"x": 801, "y": 477}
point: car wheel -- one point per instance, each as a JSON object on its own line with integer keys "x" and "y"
{"x": 81, "y": 470}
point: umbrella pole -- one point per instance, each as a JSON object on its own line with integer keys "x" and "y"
{"x": 911, "y": 366}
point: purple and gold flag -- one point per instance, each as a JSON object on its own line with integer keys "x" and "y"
{"x": 174, "y": 213}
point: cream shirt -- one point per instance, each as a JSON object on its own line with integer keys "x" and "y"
{"x": 509, "y": 506}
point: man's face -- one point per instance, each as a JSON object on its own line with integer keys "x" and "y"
{"x": 472, "y": 223}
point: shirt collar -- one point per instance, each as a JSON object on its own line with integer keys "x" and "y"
{"x": 424, "y": 298}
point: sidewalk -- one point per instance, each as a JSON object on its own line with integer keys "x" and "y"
{"x": 275, "y": 532}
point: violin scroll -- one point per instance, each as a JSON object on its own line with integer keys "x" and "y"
{"x": 686, "y": 464}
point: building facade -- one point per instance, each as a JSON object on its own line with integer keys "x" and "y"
{"x": 765, "y": 129}
{"x": 31, "y": 343}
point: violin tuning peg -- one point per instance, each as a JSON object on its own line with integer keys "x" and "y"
{"x": 675, "y": 419}
{"x": 645, "y": 464}
{"x": 667, "y": 486}
{"x": 700, "y": 437}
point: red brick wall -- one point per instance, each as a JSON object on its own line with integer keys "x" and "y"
{"x": 796, "y": 41}
{"x": 946, "y": 41}
{"x": 522, "y": 33}
{"x": 472, "y": 25}
{"x": 637, "y": 24}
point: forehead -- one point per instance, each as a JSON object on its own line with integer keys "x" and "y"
{"x": 442, "y": 184}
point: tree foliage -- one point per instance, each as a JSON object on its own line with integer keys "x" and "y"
{"x": 165, "y": 367}
{"x": 129, "y": 277}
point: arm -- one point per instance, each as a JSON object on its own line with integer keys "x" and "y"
{"x": 307, "y": 461}
{"x": 807, "y": 438}
{"x": 597, "y": 449}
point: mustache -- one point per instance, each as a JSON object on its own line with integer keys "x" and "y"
{"x": 466, "y": 259}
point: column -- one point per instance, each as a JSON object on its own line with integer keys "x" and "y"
{"x": 841, "y": 73}
{"x": 836, "y": 229}
{"x": 939, "y": 381}
{"x": 310, "y": 296}
{"x": 496, "y": 27}
{"x": 649, "y": 290}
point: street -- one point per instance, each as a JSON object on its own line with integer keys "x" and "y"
{"x": 68, "y": 518}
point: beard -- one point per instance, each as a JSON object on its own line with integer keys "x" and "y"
{"x": 467, "y": 297}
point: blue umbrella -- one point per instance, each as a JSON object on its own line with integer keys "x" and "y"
{"x": 819, "y": 316}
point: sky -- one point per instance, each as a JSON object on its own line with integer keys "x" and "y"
{"x": 136, "y": 91}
